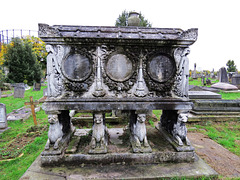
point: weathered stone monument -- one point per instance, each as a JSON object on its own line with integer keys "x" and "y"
{"x": 203, "y": 80}
{"x": 19, "y": 92}
{"x": 37, "y": 87}
{"x": 194, "y": 74}
{"x": 3, "y": 118}
{"x": 223, "y": 75}
{"x": 100, "y": 69}
{"x": 236, "y": 80}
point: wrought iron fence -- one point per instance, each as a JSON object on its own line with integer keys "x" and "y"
{"x": 7, "y": 35}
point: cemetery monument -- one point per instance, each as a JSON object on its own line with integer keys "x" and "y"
{"x": 100, "y": 69}
{"x": 223, "y": 75}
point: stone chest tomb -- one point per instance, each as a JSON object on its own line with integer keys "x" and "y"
{"x": 116, "y": 68}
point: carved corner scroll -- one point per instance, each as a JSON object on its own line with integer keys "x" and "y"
{"x": 180, "y": 87}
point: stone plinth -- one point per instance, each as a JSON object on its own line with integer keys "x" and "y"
{"x": 224, "y": 86}
{"x": 204, "y": 95}
{"x": 236, "y": 79}
{"x": 216, "y": 107}
{"x": 119, "y": 150}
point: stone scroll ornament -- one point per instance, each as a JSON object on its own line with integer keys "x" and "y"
{"x": 54, "y": 78}
{"x": 180, "y": 87}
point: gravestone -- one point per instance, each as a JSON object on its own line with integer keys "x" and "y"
{"x": 212, "y": 74}
{"x": 3, "y": 118}
{"x": 203, "y": 80}
{"x": 194, "y": 75}
{"x": 45, "y": 92}
{"x": 223, "y": 75}
{"x": 208, "y": 81}
{"x": 19, "y": 92}
{"x": 37, "y": 87}
{"x": 236, "y": 79}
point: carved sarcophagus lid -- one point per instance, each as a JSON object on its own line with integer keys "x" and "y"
{"x": 104, "y": 68}
{"x": 58, "y": 34}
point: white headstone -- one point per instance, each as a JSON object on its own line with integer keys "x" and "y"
{"x": 3, "y": 116}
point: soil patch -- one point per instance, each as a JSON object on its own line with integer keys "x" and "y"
{"x": 220, "y": 159}
{"x": 16, "y": 146}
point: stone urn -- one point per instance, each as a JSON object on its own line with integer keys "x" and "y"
{"x": 133, "y": 19}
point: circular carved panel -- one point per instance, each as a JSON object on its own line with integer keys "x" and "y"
{"x": 161, "y": 68}
{"x": 119, "y": 67}
{"x": 77, "y": 67}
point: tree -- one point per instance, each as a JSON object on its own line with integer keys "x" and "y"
{"x": 38, "y": 47}
{"x": 122, "y": 20}
{"x": 2, "y": 76}
{"x": 231, "y": 67}
{"x": 21, "y": 62}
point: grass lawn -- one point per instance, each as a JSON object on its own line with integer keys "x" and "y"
{"x": 225, "y": 133}
{"x": 198, "y": 81}
{"x": 16, "y": 103}
{"x": 230, "y": 95}
{"x": 225, "y": 95}
{"x": 22, "y": 144}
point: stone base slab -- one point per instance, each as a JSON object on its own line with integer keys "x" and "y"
{"x": 119, "y": 150}
{"x": 192, "y": 170}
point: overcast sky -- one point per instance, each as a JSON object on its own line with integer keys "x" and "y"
{"x": 218, "y": 21}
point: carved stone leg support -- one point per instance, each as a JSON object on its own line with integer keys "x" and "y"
{"x": 99, "y": 141}
{"x": 138, "y": 133}
{"x": 172, "y": 125}
{"x": 60, "y": 130}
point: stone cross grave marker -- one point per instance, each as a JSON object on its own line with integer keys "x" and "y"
{"x": 32, "y": 104}
{"x": 3, "y": 116}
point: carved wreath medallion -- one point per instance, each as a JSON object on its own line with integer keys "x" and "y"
{"x": 77, "y": 67}
{"x": 120, "y": 71}
{"x": 159, "y": 71}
